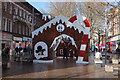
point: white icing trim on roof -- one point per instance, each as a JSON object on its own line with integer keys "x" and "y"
{"x": 76, "y": 26}
{"x": 45, "y": 17}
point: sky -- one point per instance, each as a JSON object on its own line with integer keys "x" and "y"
{"x": 40, "y": 5}
{"x": 44, "y": 4}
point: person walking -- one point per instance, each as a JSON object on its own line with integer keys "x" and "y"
{"x": 76, "y": 54}
{"x": 118, "y": 51}
{"x": 98, "y": 55}
{"x": 65, "y": 53}
{"x": 16, "y": 50}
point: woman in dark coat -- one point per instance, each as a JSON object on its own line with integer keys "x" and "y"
{"x": 118, "y": 51}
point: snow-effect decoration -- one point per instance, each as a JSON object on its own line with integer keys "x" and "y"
{"x": 60, "y": 28}
{"x": 76, "y": 26}
{"x": 43, "y": 61}
{"x": 45, "y": 17}
{"x": 59, "y": 38}
{"x": 44, "y": 46}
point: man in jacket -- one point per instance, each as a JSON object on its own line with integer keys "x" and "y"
{"x": 118, "y": 51}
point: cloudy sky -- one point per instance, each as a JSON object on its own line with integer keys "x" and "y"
{"x": 44, "y": 4}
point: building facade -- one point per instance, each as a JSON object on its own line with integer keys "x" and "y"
{"x": 17, "y": 21}
{"x": 113, "y": 29}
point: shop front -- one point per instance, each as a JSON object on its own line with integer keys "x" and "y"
{"x": 27, "y": 41}
{"x": 113, "y": 43}
{"x": 6, "y": 41}
{"x": 17, "y": 42}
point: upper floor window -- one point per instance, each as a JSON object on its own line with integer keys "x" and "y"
{"x": 15, "y": 28}
{"x": 26, "y": 30}
{"x": 24, "y": 15}
{"x": 10, "y": 26}
{"x": 10, "y": 8}
{"x": 30, "y": 18}
{"x": 16, "y": 11}
{"x": 29, "y": 31}
{"x": 20, "y": 13}
{"x": 4, "y": 24}
{"x": 5, "y": 6}
{"x": 27, "y": 17}
{"x": 19, "y": 28}
{"x": 23, "y": 30}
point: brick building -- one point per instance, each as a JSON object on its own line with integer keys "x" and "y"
{"x": 16, "y": 23}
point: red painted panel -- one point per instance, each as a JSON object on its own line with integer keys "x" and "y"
{"x": 85, "y": 39}
{"x": 73, "y": 19}
{"x": 87, "y": 24}
{"x": 81, "y": 53}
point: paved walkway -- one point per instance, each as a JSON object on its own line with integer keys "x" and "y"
{"x": 58, "y": 69}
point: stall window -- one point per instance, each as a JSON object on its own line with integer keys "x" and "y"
{"x": 61, "y": 51}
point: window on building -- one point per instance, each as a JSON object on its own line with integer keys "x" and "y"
{"x": 20, "y": 13}
{"x": 26, "y": 30}
{"x": 23, "y": 30}
{"x": 5, "y": 6}
{"x": 24, "y": 15}
{"x": 15, "y": 28}
{"x": 27, "y": 17}
{"x": 10, "y": 8}
{"x": 9, "y": 26}
{"x": 29, "y": 31}
{"x": 30, "y": 18}
{"x": 5, "y": 24}
{"x": 19, "y": 28}
{"x": 16, "y": 11}
{"x": 61, "y": 51}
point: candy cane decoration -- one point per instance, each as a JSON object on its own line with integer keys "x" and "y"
{"x": 84, "y": 38}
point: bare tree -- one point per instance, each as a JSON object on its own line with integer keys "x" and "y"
{"x": 88, "y": 9}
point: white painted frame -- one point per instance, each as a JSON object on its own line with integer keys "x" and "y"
{"x": 44, "y": 46}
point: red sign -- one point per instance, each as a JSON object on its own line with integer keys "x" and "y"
{"x": 4, "y": 36}
{"x": 111, "y": 43}
{"x": 108, "y": 42}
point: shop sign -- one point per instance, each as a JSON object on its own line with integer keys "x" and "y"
{"x": 114, "y": 42}
{"x": 27, "y": 39}
{"x": 118, "y": 41}
{"x": 6, "y": 36}
{"x": 17, "y": 39}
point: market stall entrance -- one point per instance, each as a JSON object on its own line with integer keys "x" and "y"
{"x": 61, "y": 42}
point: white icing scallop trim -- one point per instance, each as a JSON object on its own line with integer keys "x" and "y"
{"x": 76, "y": 26}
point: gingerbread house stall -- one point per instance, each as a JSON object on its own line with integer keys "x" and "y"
{"x": 50, "y": 39}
